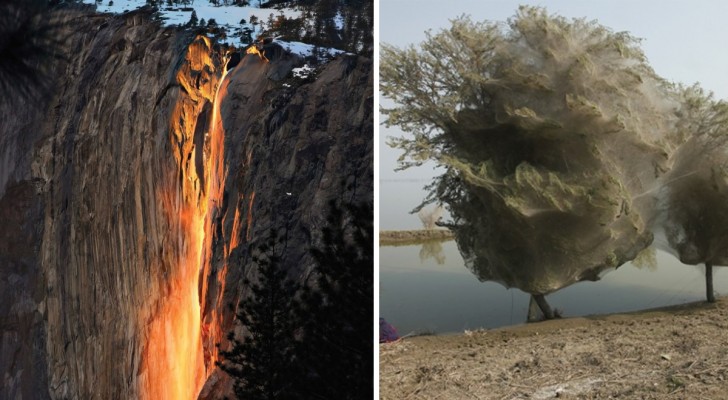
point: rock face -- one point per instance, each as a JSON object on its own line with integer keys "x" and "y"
{"x": 290, "y": 149}
{"x": 129, "y": 201}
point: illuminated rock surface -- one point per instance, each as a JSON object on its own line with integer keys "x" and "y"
{"x": 112, "y": 202}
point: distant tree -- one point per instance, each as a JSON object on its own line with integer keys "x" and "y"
{"x": 262, "y": 362}
{"x": 290, "y": 28}
{"x": 246, "y": 35}
{"x": 430, "y": 217}
{"x": 338, "y": 309}
{"x": 193, "y": 19}
{"x": 365, "y": 27}
{"x": 202, "y": 22}
{"x": 211, "y": 22}
{"x": 111, "y": 3}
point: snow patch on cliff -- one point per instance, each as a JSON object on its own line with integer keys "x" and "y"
{"x": 226, "y": 17}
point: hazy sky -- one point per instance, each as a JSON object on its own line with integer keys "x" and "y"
{"x": 685, "y": 41}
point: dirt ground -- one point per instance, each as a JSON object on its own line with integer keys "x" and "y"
{"x": 670, "y": 353}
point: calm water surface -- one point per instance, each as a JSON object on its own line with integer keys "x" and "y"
{"x": 428, "y": 289}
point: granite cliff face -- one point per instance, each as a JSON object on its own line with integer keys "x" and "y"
{"x": 129, "y": 201}
{"x": 289, "y": 150}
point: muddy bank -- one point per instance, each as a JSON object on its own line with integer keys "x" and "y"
{"x": 675, "y": 352}
{"x": 402, "y": 238}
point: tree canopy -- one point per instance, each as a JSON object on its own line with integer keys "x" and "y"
{"x": 556, "y": 136}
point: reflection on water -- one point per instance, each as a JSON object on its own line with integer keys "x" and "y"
{"x": 423, "y": 294}
{"x": 433, "y": 250}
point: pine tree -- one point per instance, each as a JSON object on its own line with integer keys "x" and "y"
{"x": 262, "y": 362}
{"x": 338, "y": 308}
{"x": 193, "y": 19}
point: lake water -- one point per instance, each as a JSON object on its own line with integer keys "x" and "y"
{"x": 432, "y": 290}
{"x": 429, "y": 289}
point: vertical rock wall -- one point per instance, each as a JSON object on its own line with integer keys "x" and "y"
{"x": 108, "y": 215}
{"x": 96, "y": 183}
{"x": 291, "y": 146}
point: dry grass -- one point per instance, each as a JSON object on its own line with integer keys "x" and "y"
{"x": 674, "y": 353}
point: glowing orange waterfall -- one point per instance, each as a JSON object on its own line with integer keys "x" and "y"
{"x": 215, "y": 185}
{"x": 175, "y": 364}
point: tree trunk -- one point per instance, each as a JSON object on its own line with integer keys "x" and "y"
{"x": 544, "y": 306}
{"x": 534, "y": 312}
{"x": 709, "y": 282}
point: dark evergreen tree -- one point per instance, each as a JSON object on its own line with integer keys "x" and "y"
{"x": 193, "y": 19}
{"x": 246, "y": 35}
{"x": 318, "y": 347}
{"x": 338, "y": 309}
{"x": 262, "y": 362}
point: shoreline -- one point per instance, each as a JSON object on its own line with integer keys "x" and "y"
{"x": 414, "y": 236}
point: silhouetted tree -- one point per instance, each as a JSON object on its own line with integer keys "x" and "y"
{"x": 246, "y": 35}
{"x": 318, "y": 345}
{"x": 262, "y": 361}
{"x": 338, "y": 307}
{"x": 193, "y": 19}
